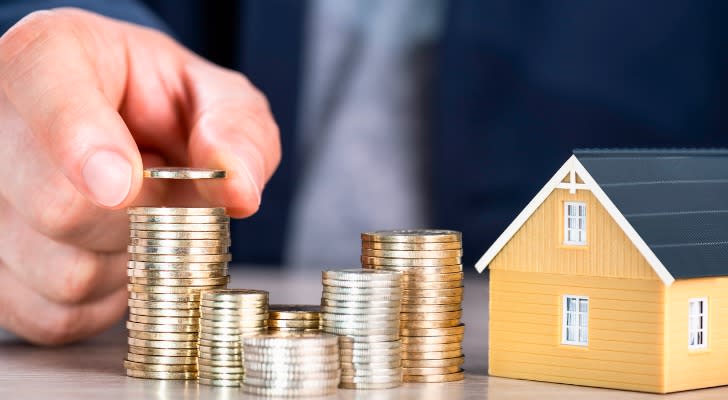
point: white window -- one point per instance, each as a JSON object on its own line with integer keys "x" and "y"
{"x": 574, "y": 223}
{"x": 575, "y": 324}
{"x": 698, "y": 323}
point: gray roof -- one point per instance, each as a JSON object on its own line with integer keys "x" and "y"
{"x": 676, "y": 200}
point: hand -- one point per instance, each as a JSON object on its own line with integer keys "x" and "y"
{"x": 85, "y": 101}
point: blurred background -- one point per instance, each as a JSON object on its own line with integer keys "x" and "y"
{"x": 447, "y": 114}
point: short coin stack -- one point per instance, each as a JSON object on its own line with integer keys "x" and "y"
{"x": 432, "y": 294}
{"x": 362, "y": 306}
{"x": 294, "y": 318}
{"x": 227, "y": 316}
{"x": 291, "y": 364}
{"x": 174, "y": 253}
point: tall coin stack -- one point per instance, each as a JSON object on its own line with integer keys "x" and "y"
{"x": 226, "y": 317}
{"x": 362, "y": 307}
{"x": 432, "y": 294}
{"x": 293, "y": 318}
{"x": 174, "y": 254}
{"x": 290, "y": 364}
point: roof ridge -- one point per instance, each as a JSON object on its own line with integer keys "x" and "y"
{"x": 651, "y": 151}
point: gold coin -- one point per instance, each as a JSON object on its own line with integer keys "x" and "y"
{"x": 409, "y": 262}
{"x": 218, "y": 377}
{"x": 175, "y": 211}
{"x": 179, "y": 243}
{"x": 430, "y": 316}
{"x": 220, "y": 369}
{"x": 458, "y": 291}
{"x": 237, "y": 357}
{"x": 160, "y": 374}
{"x": 179, "y": 282}
{"x": 145, "y": 319}
{"x": 431, "y": 355}
{"x": 219, "y": 382}
{"x": 431, "y": 308}
{"x": 167, "y": 258}
{"x": 221, "y": 338}
{"x": 425, "y": 273}
{"x": 292, "y": 323}
{"x": 412, "y": 254}
{"x": 183, "y": 173}
{"x": 431, "y": 371}
{"x": 445, "y": 323}
{"x": 221, "y": 273}
{"x": 163, "y": 336}
{"x": 411, "y": 246}
{"x": 233, "y": 323}
{"x": 179, "y": 219}
{"x": 446, "y": 273}
{"x": 177, "y": 235}
{"x": 143, "y": 226}
{"x": 224, "y": 352}
{"x": 294, "y": 311}
{"x": 207, "y": 331}
{"x": 162, "y": 344}
{"x": 420, "y": 285}
{"x": 456, "y": 376}
{"x": 431, "y": 340}
{"x": 188, "y": 267}
{"x": 172, "y": 305}
{"x": 409, "y": 278}
{"x": 236, "y": 295}
{"x": 138, "y": 326}
{"x": 163, "y": 360}
{"x": 412, "y": 236}
{"x": 168, "y": 289}
{"x": 179, "y": 297}
{"x": 444, "y": 362}
{"x": 421, "y": 348}
{"x": 443, "y": 300}
{"x": 181, "y": 251}
{"x": 220, "y": 344}
{"x": 220, "y": 366}
{"x": 150, "y": 351}
{"x": 453, "y": 330}
{"x": 160, "y": 367}
{"x": 301, "y": 330}
{"x": 165, "y": 312}
{"x": 233, "y": 307}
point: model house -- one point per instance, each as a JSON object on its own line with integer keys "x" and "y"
{"x": 616, "y": 274}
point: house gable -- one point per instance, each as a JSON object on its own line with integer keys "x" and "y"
{"x": 568, "y": 178}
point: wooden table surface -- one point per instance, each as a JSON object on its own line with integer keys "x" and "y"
{"x": 93, "y": 369}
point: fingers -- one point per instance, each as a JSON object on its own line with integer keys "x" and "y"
{"x": 59, "y": 272}
{"x": 30, "y": 315}
{"x": 232, "y": 129}
{"x": 49, "y": 78}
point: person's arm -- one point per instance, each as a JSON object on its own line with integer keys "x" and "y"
{"x": 85, "y": 102}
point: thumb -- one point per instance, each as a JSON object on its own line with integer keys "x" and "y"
{"x": 49, "y": 79}
{"x": 232, "y": 129}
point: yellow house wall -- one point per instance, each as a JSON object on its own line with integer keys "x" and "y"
{"x": 692, "y": 369}
{"x": 538, "y": 245}
{"x": 625, "y": 349}
{"x": 533, "y": 272}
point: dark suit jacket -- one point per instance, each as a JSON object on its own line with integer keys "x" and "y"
{"x": 518, "y": 85}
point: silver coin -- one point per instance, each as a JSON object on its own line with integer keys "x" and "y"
{"x": 361, "y": 275}
{"x": 179, "y": 219}
{"x": 177, "y": 235}
{"x": 183, "y": 173}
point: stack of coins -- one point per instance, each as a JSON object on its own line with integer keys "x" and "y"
{"x": 293, "y": 318}
{"x": 432, "y": 294}
{"x": 174, "y": 254}
{"x": 362, "y": 306}
{"x": 227, "y": 316}
{"x": 291, "y": 364}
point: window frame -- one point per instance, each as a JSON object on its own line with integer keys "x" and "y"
{"x": 578, "y": 204}
{"x": 564, "y": 319}
{"x": 704, "y": 329}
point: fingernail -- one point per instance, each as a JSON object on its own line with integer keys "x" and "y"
{"x": 108, "y": 177}
{"x": 254, "y": 173}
